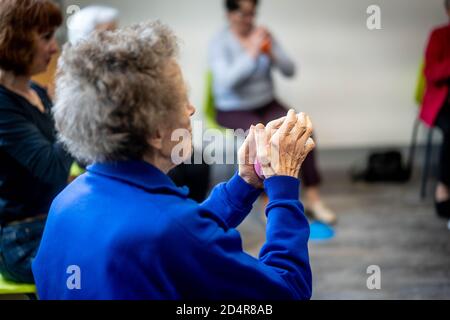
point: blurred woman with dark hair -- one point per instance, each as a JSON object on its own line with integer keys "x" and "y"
{"x": 33, "y": 167}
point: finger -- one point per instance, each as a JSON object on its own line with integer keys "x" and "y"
{"x": 289, "y": 123}
{"x": 310, "y": 145}
{"x": 308, "y": 130}
{"x": 246, "y": 148}
{"x": 300, "y": 126}
{"x": 242, "y": 153}
{"x": 260, "y": 37}
{"x": 274, "y": 125}
{"x": 309, "y": 124}
{"x": 309, "y": 127}
{"x": 251, "y": 146}
{"x": 302, "y": 118}
{"x": 261, "y": 145}
{"x": 287, "y": 126}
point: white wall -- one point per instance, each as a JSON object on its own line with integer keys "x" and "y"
{"x": 357, "y": 84}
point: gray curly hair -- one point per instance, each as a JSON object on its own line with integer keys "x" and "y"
{"x": 113, "y": 91}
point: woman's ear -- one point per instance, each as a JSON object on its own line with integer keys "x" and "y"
{"x": 156, "y": 140}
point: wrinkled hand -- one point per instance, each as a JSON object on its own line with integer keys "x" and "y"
{"x": 283, "y": 145}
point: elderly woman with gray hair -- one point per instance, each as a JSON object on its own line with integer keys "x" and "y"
{"x": 123, "y": 230}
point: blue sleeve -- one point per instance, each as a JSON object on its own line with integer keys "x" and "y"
{"x": 229, "y": 73}
{"x": 232, "y": 201}
{"x": 208, "y": 261}
{"x": 24, "y": 142}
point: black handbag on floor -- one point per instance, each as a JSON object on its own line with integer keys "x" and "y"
{"x": 388, "y": 166}
{"x": 384, "y": 167}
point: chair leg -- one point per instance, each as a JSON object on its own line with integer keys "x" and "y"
{"x": 426, "y": 168}
{"x": 412, "y": 148}
{"x": 32, "y": 296}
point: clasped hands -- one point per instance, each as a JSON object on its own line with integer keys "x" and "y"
{"x": 278, "y": 148}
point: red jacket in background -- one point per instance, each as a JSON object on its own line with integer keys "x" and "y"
{"x": 437, "y": 74}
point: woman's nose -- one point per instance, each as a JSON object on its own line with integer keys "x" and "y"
{"x": 54, "y": 48}
{"x": 191, "y": 110}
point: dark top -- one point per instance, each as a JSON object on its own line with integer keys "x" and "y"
{"x": 33, "y": 167}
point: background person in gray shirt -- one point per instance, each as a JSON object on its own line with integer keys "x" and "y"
{"x": 242, "y": 57}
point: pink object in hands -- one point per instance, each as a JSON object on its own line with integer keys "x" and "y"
{"x": 258, "y": 169}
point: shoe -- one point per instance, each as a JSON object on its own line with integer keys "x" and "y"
{"x": 318, "y": 211}
{"x": 443, "y": 209}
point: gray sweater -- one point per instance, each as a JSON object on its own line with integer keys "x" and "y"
{"x": 241, "y": 82}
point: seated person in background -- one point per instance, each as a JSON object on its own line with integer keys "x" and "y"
{"x": 33, "y": 166}
{"x": 242, "y": 57}
{"x": 436, "y": 106}
{"x": 90, "y": 19}
{"x": 81, "y": 25}
{"x": 124, "y": 225}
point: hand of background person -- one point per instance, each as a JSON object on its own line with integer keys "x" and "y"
{"x": 266, "y": 46}
{"x": 283, "y": 153}
{"x": 260, "y": 41}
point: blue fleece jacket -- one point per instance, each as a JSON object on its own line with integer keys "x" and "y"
{"x": 125, "y": 231}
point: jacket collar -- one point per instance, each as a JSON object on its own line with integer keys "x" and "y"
{"x": 140, "y": 174}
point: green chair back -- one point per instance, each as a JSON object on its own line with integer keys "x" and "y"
{"x": 76, "y": 170}
{"x": 421, "y": 85}
{"x": 209, "y": 104}
{"x": 11, "y": 288}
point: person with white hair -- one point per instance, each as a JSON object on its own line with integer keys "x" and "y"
{"x": 90, "y": 19}
{"x": 124, "y": 230}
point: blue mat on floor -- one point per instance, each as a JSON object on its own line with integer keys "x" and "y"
{"x": 321, "y": 231}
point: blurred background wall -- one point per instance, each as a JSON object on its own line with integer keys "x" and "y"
{"x": 357, "y": 84}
